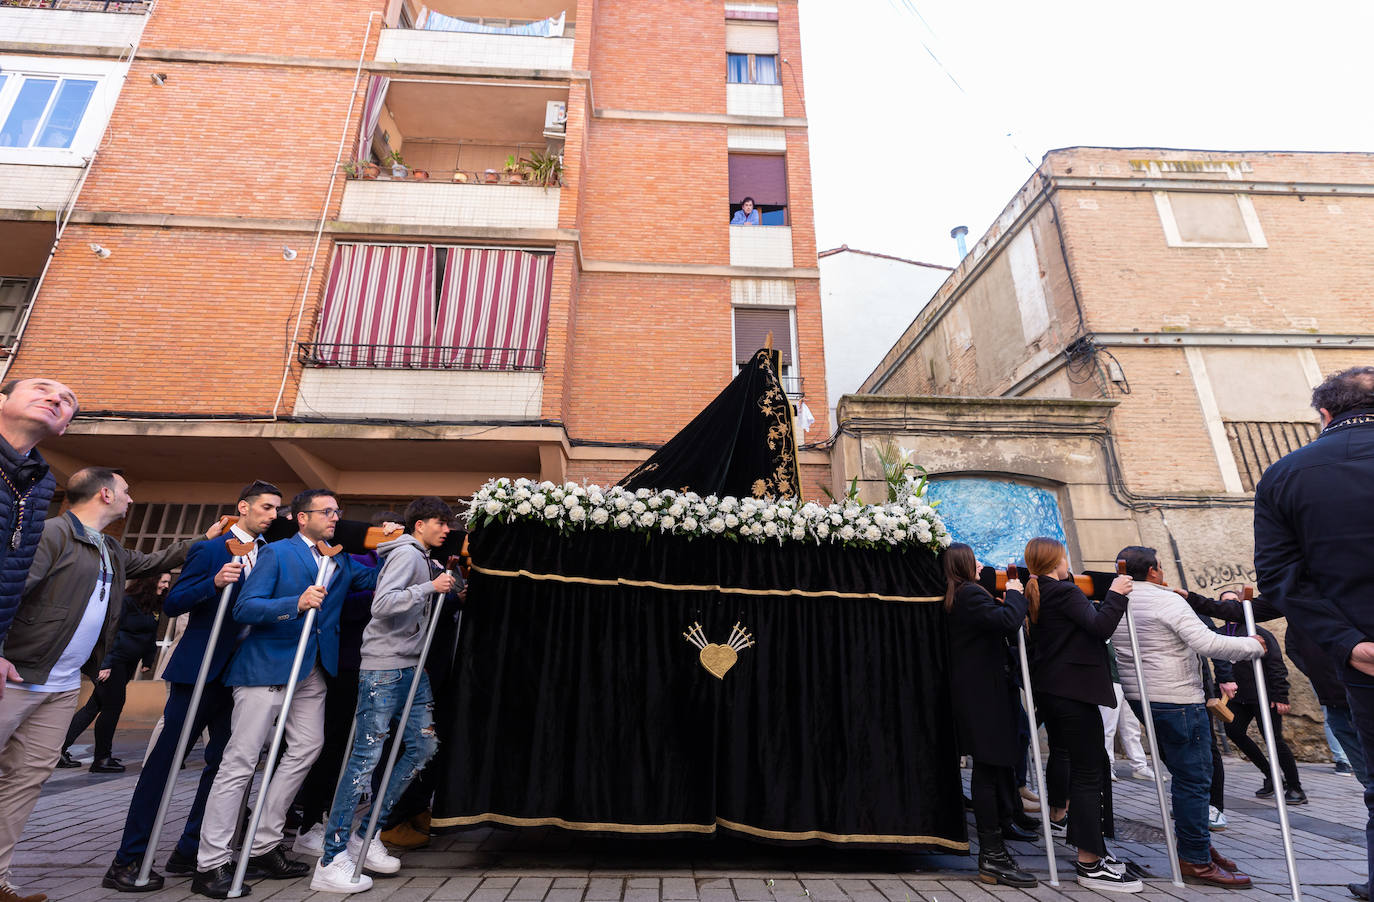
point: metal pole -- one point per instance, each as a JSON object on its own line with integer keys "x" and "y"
{"x": 1035, "y": 753}
{"x": 184, "y": 740}
{"x": 375, "y": 815}
{"x": 241, "y": 871}
{"x": 1149, "y": 724}
{"x": 1267, "y": 722}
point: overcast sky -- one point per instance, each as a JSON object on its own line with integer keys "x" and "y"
{"x": 900, "y": 155}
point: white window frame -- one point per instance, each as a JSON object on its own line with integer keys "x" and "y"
{"x": 1247, "y": 214}
{"x": 109, "y": 77}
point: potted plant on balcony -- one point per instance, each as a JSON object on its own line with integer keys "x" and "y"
{"x": 514, "y": 175}
{"x": 398, "y": 165}
{"x": 544, "y": 169}
{"x": 365, "y": 169}
{"x": 420, "y": 175}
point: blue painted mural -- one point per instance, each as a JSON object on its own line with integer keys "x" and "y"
{"x": 996, "y": 517}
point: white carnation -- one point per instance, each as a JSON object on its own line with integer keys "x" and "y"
{"x": 898, "y": 534}
{"x": 647, "y": 519}
{"x": 716, "y": 524}
{"x": 522, "y": 483}
{"x": 522, "y": 494}
{"x": 822, "y": 530}
{"x": 538, "y": 499}
{"x": 552, "y": 511}
{"x": 600, "y": 516}
{"x": 577, "y": 514}
{"x": 836, "y": 519}
{"x": 675, "y": 510}
{"x": 847, "y": 533}
{"x": 622, "y": 520}
{"x": 873, "y": 533}
{"x": 770, "y": 528}
{"x": 546, "y": 486}
{"x": 493, "y": 507}
{"x": 798, "y": 532}
{"x": 667, "y": 522}
{"x": 769, "y": 513}
{"x": 570, "y": 501}
{"x": 642, "y": 493}
{"x": 690, "y": 524}
{"x": 524, "y": 508}
{"x": 621, "y": 502}
{"x": 731, "y": 521}
{"x": 638, "y": 507}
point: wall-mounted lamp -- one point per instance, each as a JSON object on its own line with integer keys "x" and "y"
{"x": 288, "y": 254}
{"x": 158, "y": 78}
{"x": 100, "y": 251}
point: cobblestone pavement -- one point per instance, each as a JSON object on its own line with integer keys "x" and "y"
{"x": 76, "y": 827}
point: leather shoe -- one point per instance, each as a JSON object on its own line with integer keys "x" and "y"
{"x": 274, "y": 865}
{"x": 216, "y": 882}
{"x": 66, "y": 760}
{"x": 8, "y": 893}
{"x": 124, "y": 878}
{"x": 1211, "y": 875}
{"x": 1223, "y": 862}
{"x": 180, "y": 865}
{"x": 1014, "y": 831}
{"x": 1358, "y": 890}
{"x": 107, "y": 766}
{"x": 1295, "y": 796}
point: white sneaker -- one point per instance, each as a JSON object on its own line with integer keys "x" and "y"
{"x": 1216, "y": 820}
{"x": 1114, "y": 777}
{"x": 1144, "y": 773}
{"x": 378, "y": 859}
{"x": 311, "y": 842}
{"x": 337, "y": 876}
{"x": 1105, "y": 878}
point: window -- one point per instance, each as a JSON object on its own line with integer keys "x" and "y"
{"x": 751, "y": 69}
{"x": 1208, "y": 219}
{"x": 14, "y": 300}
{"x": 43, "y": 111}
{"x": 752, "y": 325}
{"x": 762, "y": 177}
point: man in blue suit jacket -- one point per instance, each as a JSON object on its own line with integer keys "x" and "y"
{"x": 274, "y": 602}
{"x": 209, "y": 568}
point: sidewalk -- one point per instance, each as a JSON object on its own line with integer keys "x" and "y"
{"x": 76, "y": 827}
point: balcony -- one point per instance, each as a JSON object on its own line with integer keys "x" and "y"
{"x": 35, "y": 191}
{"x": 768, "y": 246}
{"x": 355, "y": 381}
{"x": 478, "y": 34}
{"x": 449, "y": 205}
{"x": 753, "y": 100}
{"x": 81, "y": 25}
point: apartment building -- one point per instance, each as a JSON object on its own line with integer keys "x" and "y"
{"x": 392, "y": 247}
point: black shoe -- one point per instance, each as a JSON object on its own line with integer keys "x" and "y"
{"x": 1026, "y": 822}
{"x": 968, "y": 803}
{"x": 996, "y": 866}
{"x": 67, "y": 760}
{"x": 216, "y": 882}
{"x": 1266, "y": 791}
{"x": 124, "y": 878}
{"x": 107, "y": 766}
{"x": 1358, "y": 890}
{"x": 1295, "y": 796}
{"x": 1344, "y": 769}
{"x": 1059, "y": 827}
{"x": 180, "y": 865}
{"x": 1014, "y": 831}
{"x": 274, "y": 865}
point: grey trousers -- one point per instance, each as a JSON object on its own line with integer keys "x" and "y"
{"x": 255, "y": 714}
{"x": 33, "y": 726}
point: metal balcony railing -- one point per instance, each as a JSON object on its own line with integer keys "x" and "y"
{"x": 138, "y": 7}
{"x": 420, "y": 357}
{"x": 792, "y": 385}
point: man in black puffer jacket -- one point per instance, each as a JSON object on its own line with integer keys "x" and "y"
{"x": 31, "y": 410}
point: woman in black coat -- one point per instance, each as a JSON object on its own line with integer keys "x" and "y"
{"x": 1071, "y": 675}
{"x": 135, "y": 641}
{"x": 986, "y": 709}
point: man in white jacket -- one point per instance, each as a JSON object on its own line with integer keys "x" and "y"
{"x": 1171, "y": 639}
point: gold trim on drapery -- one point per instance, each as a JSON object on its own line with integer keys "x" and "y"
{"x": 726, "y": 590}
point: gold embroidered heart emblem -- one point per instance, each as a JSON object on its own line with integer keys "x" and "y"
{"x": 718, "y": 659}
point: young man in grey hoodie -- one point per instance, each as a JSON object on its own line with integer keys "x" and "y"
{"x": 407, "y": 585}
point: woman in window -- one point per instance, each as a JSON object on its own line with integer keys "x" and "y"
{"x": 746, "y": 214}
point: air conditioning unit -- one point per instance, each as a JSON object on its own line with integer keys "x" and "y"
{"x": 555, "y": 116}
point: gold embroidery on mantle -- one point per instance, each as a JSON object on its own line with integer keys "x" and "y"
{"x": 718, "y": 659}
{"x": 773, "y": 404}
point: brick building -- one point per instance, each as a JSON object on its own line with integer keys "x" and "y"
{"x": 289, "y": 245}
{"x": 1141, "y": 330}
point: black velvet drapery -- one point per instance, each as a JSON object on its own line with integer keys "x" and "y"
{"x": 579, "y": 703}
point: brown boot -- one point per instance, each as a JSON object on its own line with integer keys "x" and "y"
{"x": 1211, "y": 875}
{"x": 10, "y": 893}
{"x": 1223, "y": 862}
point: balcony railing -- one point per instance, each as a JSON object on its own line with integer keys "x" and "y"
{"x": 138, "y": 7}
{"x": 420, "y": 357}
{"x": 792, "y": 385}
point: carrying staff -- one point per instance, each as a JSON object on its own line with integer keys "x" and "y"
{"x": 1072, "y": 678}
{"x": 284, "y": 654}
{"x": 194, "y": 684}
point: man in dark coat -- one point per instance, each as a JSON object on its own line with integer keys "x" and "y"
{"x": 1330, "y": 691}
{"x": 31, "y": 410}
{"x": 1313, "y": 534}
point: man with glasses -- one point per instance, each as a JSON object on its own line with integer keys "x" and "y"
{"x": 273, "y": 604}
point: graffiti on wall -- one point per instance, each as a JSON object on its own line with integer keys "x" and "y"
{"x": 1221, "y": 576}
{"x": 996, "y": 517}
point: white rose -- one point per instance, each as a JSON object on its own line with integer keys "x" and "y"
{"x": 492, "y": 507}
{"x": 647, "y": 519}
{"x": 716, "y": 525}
{"x": 945, "y": 540}
{"x": 873, "y": 533}
{"x": 538, "y": 499}
{"x": 600, "y": 516}
{"x": 622, "y": 520}
{"x": 770, "y": 528}
{"x": 731, "y": 521}
{"x": 642, "y": 493}
{"x": 822, "y": 530}
{"x": 552, "y": 511}
{"x": 667, "y": 522}
{"x": 847, "y": 533}
{"x": 638, "y": 507}
{"x": 524, "y": 508}
{"x": 798, "y": 532}
{"x": 577, "y": 514}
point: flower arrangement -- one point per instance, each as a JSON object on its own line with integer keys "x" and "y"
{"x": 908, "y": 520}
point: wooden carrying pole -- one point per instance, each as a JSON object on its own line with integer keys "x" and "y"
{"x": 269, "y": 768}
{"x": 239, "y": 551}
{"x": 399, "y": 733}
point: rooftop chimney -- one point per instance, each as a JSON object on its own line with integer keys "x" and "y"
{"x": 958, "y": 233}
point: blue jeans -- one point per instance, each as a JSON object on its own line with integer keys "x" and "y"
{"x": 1334, "y": 744}
{"x": 1185, "y": 744}
{"x": 381, "y": 695}
{"x": 1339, "y": 723}
{"x": 1362, "y": 715}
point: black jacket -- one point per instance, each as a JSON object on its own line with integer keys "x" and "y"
{"x": 984, "y": 673}
{"x": 136, "y": 639}
{"x": 1317, "y": 666}
{"x": 1071, "y": 657}
{"x": 29, "y": 473}
{"x": 1313, "y": 535}
{"x": 1242, "y": 673}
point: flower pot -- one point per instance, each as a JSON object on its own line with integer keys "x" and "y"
{"x": 398, "y": 171}
{"x": 460, "y": 177}
{"x": 419, "y": 175}
{"x": 371, "y": 171}
{"x": 515, "y": 178}
{"x": 491, "y": 177}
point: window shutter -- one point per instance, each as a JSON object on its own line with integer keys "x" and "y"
{"x": 760, "y": 176}
{"x": 751, "y": 37}
{"x": 751, "y": 332}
